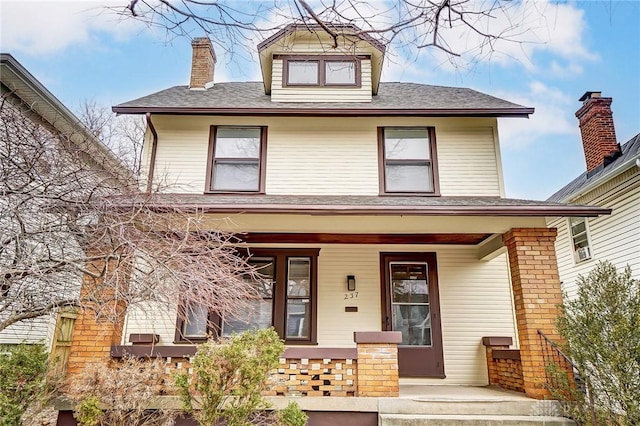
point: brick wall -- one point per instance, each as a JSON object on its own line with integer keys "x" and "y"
{"x": 537, "y": 295}
{"x": 378, "y": 363}
{"x": 94, "y": 334}
{"x": 314, "y": 377}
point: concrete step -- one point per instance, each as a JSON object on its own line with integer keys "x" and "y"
{"x": 470, "y": 420}
{"x": 492, "y": 407}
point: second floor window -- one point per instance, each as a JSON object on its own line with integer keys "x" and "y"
{"x": 319, "y": 71}
{"x": 580, "y": 238}
{"x": 237, "y": 157}
{"x": 407, "y": 160}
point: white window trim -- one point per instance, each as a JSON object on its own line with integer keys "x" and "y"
{"x": 575, "y": 253}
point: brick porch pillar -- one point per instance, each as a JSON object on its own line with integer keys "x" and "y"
{"x": 92, "y": 336}
{"x": 378, "y": 362}
{"x": 536, "y": 294}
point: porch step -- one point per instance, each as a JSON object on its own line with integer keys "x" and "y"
{"x": 470, "y": 420}
{"x": 524, "y": 407}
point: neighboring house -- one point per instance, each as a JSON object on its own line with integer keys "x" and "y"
{"x": 611, "y": 180}
{"x": 30, "y": 100}
{"x": 375, "y": 208}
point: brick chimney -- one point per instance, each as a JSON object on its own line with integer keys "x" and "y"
{"x": 202, "y": 63}
{"x": 598, "y": 132}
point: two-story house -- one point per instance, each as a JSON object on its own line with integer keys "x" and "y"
{"x": 611, "y": 180}
{"x": 376, "y": 212}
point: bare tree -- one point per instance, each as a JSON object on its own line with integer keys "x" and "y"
{"x": 124, "y": 134}
{"x": 71, "y": 215}
{"x": 418, "y": 24}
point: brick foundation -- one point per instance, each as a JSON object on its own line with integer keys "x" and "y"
{"x": 536, "y": 294}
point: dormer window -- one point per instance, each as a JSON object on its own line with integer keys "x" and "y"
{"x": 321, "y": 71}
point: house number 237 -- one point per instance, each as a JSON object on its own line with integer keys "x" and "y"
{"x": 351, "y": 295}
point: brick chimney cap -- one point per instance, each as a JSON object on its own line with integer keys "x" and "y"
{"x": 201, "y": 40}
{"x": 589, "y": 95}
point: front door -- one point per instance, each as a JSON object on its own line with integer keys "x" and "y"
{"x": 410, "y": 305}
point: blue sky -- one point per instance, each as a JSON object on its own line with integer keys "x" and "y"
{"x": 79, "y": 53}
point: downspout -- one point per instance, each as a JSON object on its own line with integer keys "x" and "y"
{"x": 154, "y": 149}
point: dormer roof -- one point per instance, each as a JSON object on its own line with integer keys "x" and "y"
{"x": 344, "y": 39}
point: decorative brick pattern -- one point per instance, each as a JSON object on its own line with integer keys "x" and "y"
{"x": 598, "y": 131}
{"x": 314, "y": 377}
{"x": 378, "y": 369}
{"x": 537, "y": 294}
{"x": 202, "y": 63}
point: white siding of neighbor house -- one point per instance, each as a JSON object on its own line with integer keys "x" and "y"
{"x": 280, "y": 93}
{"x": 337, "y": 156}
{"x": 615, "y": 238}
{"x": 475, "y": 301}
{"x": 37, "y": 330}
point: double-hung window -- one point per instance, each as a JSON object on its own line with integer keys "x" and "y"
{"x": 236, "y": 159}
{"x": 322, "y": 71}
{"x": 286, "y": 282}
{"x": 580, "y": 238}
{"x": 408, "y": 160}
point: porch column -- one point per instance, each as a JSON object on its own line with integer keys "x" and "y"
{"x": 536, "y": 294}
{"x": 378, "y": 362}
{"x": 92, "y": 337}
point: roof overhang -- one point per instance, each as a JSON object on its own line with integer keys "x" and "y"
{"x": 332, "y": 112}
{"x": 231, "y": 206}
{"x": 27, "y": 89}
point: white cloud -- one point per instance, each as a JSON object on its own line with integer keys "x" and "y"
{"x": 553, "y": 117}
{"x": 527, "y": 29}
{"x": 45, "y": 27}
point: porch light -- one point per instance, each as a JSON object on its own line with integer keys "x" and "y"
{"x": 351, "y": 283}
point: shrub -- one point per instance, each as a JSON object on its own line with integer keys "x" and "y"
{"x": 601, "y": 327}
{"x": 24, "y": 381}
{"x": 229, "y": 377}
{"x": 120, "y": 394}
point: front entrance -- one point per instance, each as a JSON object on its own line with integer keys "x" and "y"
{"x": 410, "y": 305}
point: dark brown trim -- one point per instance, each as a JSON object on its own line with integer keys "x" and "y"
{"x": 321, "y": 60}
{"x": 139, "y": 351}
{"x": 320, "y": 353}
{"x": 154, "y": 150}
{"x": 377, "y": 337}
{"x": 505, "y": 353}
{"x": 415, "y": 361}
{"x": 360, "y": 210}
{"x": 351, "y": 309}
{"x": 497, "y": 341}
{"x": 333, "y": 112}
{"x": 143, "y": 338}
{"x": 262, "y": 161}
{"x": 432, "y": 162}
{"x": 280, "y": 297}
{"x": 331, "y": 238}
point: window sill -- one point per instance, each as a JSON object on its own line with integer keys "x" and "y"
{"x": 409, "y": 194}
{"x": 234, "y": 193}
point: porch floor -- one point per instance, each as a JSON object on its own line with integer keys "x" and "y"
{"x": 460, "y": 393}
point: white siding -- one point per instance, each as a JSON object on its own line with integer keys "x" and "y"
{"x": 37, "y": 330}
{"x": 320, "y": 94}
{"x": 339, "y": 156}
{"x": 615, "y": 238}
{"x": 474, "y": 296}
{"x": 467, "y": 161}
